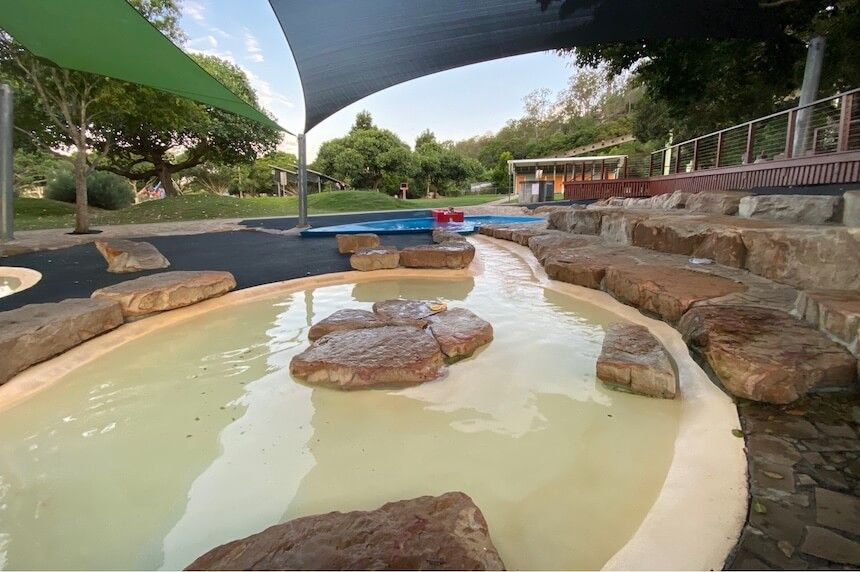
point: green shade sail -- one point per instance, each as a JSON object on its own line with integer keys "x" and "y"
{"x": 110, "y": 38}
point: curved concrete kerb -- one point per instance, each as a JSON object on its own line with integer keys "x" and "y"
{"x": 25, "y": 277}
{"x": 698, "y": 513}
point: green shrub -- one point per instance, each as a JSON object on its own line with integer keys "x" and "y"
{"x": 104, "y": 190}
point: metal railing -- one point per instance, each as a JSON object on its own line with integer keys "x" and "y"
{"x": 829, "y": 125}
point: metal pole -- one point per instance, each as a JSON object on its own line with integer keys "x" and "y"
{"x": 808, "y": 93}
{"x": 7, "y": 187}
{"x": 303, "y": 182}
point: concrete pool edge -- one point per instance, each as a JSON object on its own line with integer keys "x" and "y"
{"x": 27, "y": 276}
{"x": 701, "y": 507}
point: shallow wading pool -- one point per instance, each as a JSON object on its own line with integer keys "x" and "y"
{"x": 14, "y": 279}
{"x": 195, "y": 434}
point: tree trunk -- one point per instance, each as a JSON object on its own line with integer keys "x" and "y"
{"x": 82, "y": 213}
{"x": 166, "y": 178}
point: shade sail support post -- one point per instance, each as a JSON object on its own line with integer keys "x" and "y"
{"x": 303, "y": 182}
{"x": 808, "y": 94}
{"x": 7, "y": 186}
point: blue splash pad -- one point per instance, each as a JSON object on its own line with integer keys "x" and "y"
{"x": 414, "y": 225}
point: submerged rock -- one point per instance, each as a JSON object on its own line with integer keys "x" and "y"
{"x": 452, "y": 254}
{"x": 167, "y": 290}
{"x": 408, "y": 312}
{"x": 366, "y": 259}
{"x": 370, "y": 357}
{"x": 349, "y": 243}
{"x": 460, "y": 332}
{"x": 130, "y": 256}
{"x": 766, "y": 355}
{"x": 36, "y": 332}
{"x": 633, "y": 358}
{"x": 447, "y": 532}
{"x": 346, "y": 319}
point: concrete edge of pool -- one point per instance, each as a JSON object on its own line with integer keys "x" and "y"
{"x": 700, "y": 510}
{"x": 27, "y": 276}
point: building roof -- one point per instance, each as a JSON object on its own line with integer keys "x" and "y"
{"x": 559, "y": 161}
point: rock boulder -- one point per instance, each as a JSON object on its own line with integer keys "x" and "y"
{"x": 667, "y": 291}
{"x": 452, "y": 255}
{"x": 851, "y": 209}
{"x": 166, "y": 291}
{"x": 370, "y": 258}
{"x": 716, "y": 202}
{"x": 766, "y": 355}
{"x": 441, "y": 235}
{"x": 349, "y": 243}
{"x": 388, "y": 356}
{"x": 583, "y": 266}
{"x": 634, "y": 359}
{"x": 544, "y": 244}
{"x": 130, "y": 256}
{"x": 576, "y": 221}
{"x": 460, "y": 332}
{"x": 806, "y": 209}
{"x": 836, "y": 312}
{"x": 408, "y": 312}
{"x": 346, "y": 319}
{"x": 36, "y": 332}
{"x": 447, "y": 532}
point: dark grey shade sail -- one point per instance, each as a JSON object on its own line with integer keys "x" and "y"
{"x": 348, "y": 49}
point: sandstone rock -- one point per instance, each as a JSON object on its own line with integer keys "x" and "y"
{"x": 836, "y": 312}
{"x": 408, "y": 312}
{"x": 460, "y": 332}
{"x": 445, "y": 255}
{"x": 487, "y": 229}
{"x": 375, "y": 258}
{"x": 851, "y": 209}
{"x": 346, "y": 319}
{"x": 618, "y": 226}
{"x": 441, "y": 235}
{"x": 670, "y": 201}
{"x": 809, "y": 258}
{"x": 701, "y": 237}
{"x": 547, "y": 209}
{"x": 166, "y": 291}
{"x": 503, "y": 232}
{"x": 637, "y": 203}
{"x": 576, "y": 221}
{"x": 522, "y": 235}
{"x": 633, "y": 358}
{"x": 667, "y": 291}
{"x": 831, "y": 546}
{"x": 447, "y": 532}
{"x": 766, "y": 355}
{"x": 584, "y": 266}
{"x": 130, "y": 256}
{"x": 807, "y": 209}
{"x": 370, "y": 357}
{"x": 36, "y": 332}
{"x": 542, "y": 245}
{"x": 349, "y": 243}
{"x": 716, "y": 202}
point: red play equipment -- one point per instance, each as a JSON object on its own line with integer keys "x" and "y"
{"x": 447, "y": 215}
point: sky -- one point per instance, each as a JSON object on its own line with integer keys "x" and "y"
{"x": 454, "y": 104}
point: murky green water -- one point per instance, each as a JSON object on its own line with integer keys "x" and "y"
{"x": 197, "y": 435}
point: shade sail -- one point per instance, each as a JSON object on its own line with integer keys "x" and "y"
{"x": 346, "y": 50}
{"x": 110, "y": 38}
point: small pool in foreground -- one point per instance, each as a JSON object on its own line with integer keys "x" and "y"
{"x": 411, "y": 225}
{"x": 195, "y": 434}
{"x": 14, "y": 279}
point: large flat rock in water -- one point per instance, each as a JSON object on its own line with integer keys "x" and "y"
{"x": 408, "y": 312}
{"x": 130, "y": 255}
{"x": 460, "y": 332}
{"x": 452, "y": 255}
{"x": 766, "y": 355}
{"x": 34, "y": 333}
{"x": 634, "y": 359}
{"x": 667, "y": 291}
{"x": 447, "y": 532}
{"x": 370, "y": 357}
{"x": 166, "y": 291}
{"x": 346, "y": 319}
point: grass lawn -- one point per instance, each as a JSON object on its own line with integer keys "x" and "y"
{"x": 42, "y": 213}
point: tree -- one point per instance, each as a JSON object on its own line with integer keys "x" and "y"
{"x": 439, "y": 167}
{"x": 56, "y": 108}
{"x": 367, "y": 157}
{"x": 158, "y": 135}
{"x": 702, "y": 85}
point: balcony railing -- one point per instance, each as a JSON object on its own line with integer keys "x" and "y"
{"x": 829, "y": 125}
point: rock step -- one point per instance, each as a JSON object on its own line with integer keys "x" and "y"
{"x": 130, "y": 255}
{"x": 452, "y": 254}
{"x": 632, "y": 358}
{"x": 836, "y": 312}
{"x": 367, "y": 258}
{"x": 36, "y": 332}
{"x": 446, "y": 532}
{"x": 166, "y": 291}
